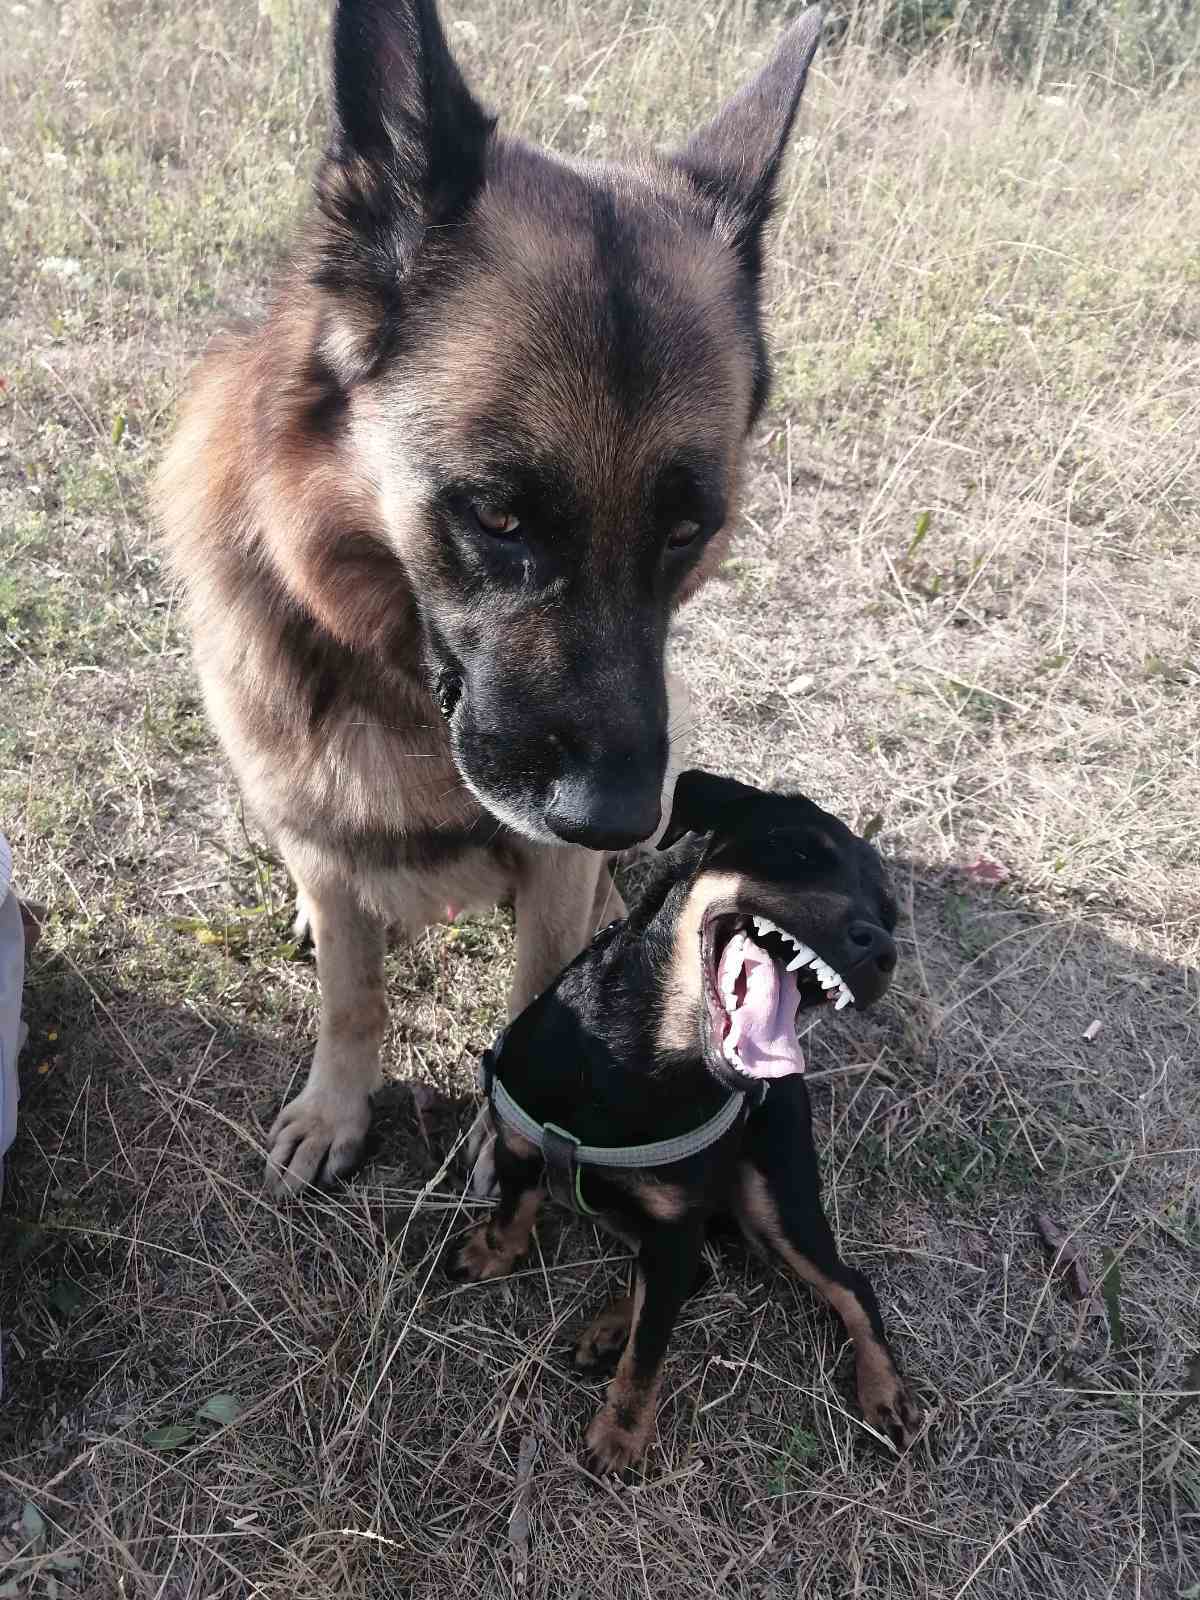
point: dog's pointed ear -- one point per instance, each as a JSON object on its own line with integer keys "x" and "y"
{"x": 406, "y": 151}
{"x": 734, "y": 160}
{"x": 705, "y": 803}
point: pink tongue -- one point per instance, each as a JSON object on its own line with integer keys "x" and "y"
{"x": 762, "y": 1035}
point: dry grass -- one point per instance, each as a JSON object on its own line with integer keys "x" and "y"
{"x": 968, "y": 599}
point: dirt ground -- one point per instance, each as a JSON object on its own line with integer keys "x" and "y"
{"x": 965, "y": 601}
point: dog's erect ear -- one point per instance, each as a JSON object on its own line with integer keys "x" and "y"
{"x": 407, "y": 147}
{"x": 734, "y": 160}
{"x": 706, "y": 803}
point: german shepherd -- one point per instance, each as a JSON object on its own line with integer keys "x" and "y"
{"x": 433, "y": 517}
{"x": 658, "y": 1083}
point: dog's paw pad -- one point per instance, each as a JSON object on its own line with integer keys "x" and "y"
{"x": 316, "y": 1138}
{"x": 478, "y": 1259}
{"x": 611, "y": 1446}
{"x": 604, "y": 1338}
{"x": 889, "y": 1408}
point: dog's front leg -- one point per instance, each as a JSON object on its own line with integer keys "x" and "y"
{"x": 492, "y": 1249}
{"x": 556, "y": 891}
{"x": 319, "y": 1135}
{"x": 664, "y": 1277}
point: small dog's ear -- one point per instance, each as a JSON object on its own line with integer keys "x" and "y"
{"x": 705, "y": 803}
{"x": 735, "y": 159}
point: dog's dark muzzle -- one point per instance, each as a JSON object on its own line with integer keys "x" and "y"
{"x": 607, "y": 807}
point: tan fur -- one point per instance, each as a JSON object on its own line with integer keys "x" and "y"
{"x": 492, "y": 1249}
{"x": 295, "y": 508}
{"x": 683, "y": 990}
{"x": 621, "y": 1429}
{"x": 882, "y": 1396}
{"x": 606, "y": 1333}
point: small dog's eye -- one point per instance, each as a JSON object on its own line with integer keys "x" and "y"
{"x": 683, "y": 534}
{"x": 495, "y": 520}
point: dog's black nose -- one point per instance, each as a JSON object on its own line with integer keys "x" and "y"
{"x": 604, "y": 814}
{"x": 869, "y": 942}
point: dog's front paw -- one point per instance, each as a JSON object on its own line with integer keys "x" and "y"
{"x": 617, "y": 1440}
{"x": 602, "y": 1341}
{"x": 887, "y": 1405}
{"x": 317, "y": 1137}
{"x": 480, "y": 1257}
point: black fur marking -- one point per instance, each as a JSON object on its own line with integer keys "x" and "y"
{"x": 421, "y": 850}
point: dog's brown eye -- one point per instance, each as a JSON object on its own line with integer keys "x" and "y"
{"x": 682, "y": 534}
{"x": 495, "y": 520}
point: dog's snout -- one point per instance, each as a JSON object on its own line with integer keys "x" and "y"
{"x": 604, "y": 812}
{"x": 869, "y": 942}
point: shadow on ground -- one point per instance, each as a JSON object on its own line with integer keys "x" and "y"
{"x": 373, "y": 1442}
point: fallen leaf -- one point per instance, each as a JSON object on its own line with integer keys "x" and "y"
{"x": 990, "y": 873}
{"x": 224, "y": 1408}
{"x": 33, "y": 1524}
{"x": 1092, "y": 1031}
{"x": 171, "y": 1436}
{"x": 1068, "y": 1257}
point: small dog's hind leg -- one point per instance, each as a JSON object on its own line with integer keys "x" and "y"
{"x": 778, "y": 1205}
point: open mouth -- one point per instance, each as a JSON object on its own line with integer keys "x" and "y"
{"x": 758, "y": 980}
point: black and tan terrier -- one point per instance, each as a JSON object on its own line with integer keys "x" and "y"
{"x": 658, "y": 1082}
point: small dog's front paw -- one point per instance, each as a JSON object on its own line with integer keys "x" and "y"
{"x": 479, "y": 1257}
{"x": 614, "y": 1445}
{"x": 887, "y": 1405}
{"x": 602, "y": 1341}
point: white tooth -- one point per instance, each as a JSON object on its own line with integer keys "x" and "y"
{"x": 843, "y": 1000}
{"x": 828, "y": 979}
{"x": 761, "y": 924}
{"x": 802, "y": 956}
{"x": 790, "y": 938}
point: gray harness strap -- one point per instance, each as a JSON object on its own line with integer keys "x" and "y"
{"x": 564, "y": 1155}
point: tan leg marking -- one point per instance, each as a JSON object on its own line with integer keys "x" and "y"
{"x": 621, "y": 1429}
{"x": 606, "y": 1335}
{"x": 492, "y": 1248}
{"x": 882, "y": 1396}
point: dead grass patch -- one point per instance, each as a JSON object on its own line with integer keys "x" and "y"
{"x": 967, "y": 600}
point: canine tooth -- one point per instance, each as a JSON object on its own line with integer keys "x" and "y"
{"x": 843, "y": 1000}
{"x": 802, "y": 957}
{"x": 761, "y": 924}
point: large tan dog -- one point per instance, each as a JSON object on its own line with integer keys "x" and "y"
{"x": 433, "y": 517}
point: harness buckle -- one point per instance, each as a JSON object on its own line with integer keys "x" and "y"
{"x": 562, "y": 1168}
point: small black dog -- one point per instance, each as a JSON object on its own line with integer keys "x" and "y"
{"x": 668, "y": 1049}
